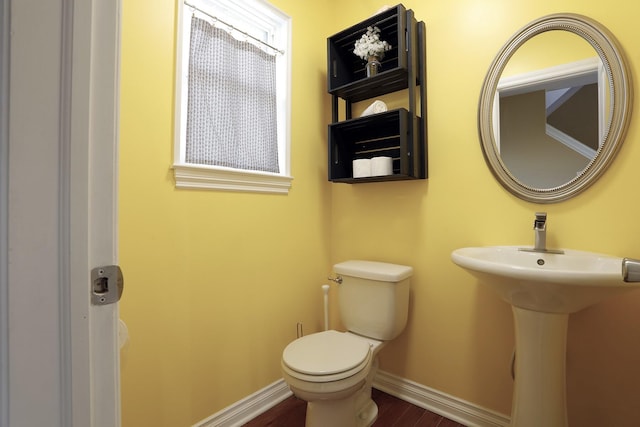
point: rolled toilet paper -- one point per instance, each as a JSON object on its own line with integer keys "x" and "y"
{"x": 375, "y": 108}
{"x": 381, "y": 166}
{"x": 361, "y": 168}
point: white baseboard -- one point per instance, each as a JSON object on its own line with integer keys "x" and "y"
{"x": 441, "y": 403}
{"x": 248, "y": 408}
{"x": 435, "y": 401}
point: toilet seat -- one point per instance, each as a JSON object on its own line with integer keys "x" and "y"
{"x": 326, "y": 356}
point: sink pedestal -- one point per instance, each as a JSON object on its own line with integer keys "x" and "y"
{"x": 539, "y": 397}
{"x": 543, "y": 288}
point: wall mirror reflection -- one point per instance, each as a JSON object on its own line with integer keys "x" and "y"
{"x": 554, "y": 108}
{"x": 549, "y": 112}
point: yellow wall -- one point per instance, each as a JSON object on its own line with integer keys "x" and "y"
{"x": 217, "y": 281}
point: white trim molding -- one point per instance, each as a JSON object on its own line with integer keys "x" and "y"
{"x": 248, "y": 408}
{"x": 575, "y": 73}
{"x": 448, "y": 406}
{"x": 219, "y": 178}
{"x": 570, "y": 142}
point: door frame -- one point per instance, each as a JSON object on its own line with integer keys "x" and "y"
{"x": 58, "y": 212}
{"x": 4, "y": 226}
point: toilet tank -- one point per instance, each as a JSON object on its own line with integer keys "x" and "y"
{"x": 373, "y": 298}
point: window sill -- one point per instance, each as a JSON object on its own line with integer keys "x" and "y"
{"x": 225, "y": 179}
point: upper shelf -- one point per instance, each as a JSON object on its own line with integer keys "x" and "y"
{"x": 347, "y": 76}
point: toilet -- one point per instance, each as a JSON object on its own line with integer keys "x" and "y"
{"x": 333, "y": 371}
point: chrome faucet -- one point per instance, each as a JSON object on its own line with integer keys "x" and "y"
{"x": 540, "y": 228}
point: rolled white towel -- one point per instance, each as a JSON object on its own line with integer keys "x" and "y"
{"x": 375, "y": 108}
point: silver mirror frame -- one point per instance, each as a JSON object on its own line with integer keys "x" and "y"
{"x": 619, "y": 86}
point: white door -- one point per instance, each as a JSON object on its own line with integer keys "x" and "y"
{"x": 58, "y": 156}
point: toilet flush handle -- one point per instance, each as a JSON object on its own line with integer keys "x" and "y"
{"x": 337, "y": 279}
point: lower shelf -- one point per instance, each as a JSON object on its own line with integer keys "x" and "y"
{"x": 394, "y": 133}
{"x": 394, "y": 177}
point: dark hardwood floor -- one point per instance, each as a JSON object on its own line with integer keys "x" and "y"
{"x": 392, "y": 412}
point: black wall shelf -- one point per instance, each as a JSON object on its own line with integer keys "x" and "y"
{"x": 385, "y": 134}
{"x": 401, "y": 133}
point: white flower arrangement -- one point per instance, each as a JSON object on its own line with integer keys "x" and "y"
{"x": 370, "y": 44}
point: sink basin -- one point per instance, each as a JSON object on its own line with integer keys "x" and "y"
{"x": 546, "y": 282}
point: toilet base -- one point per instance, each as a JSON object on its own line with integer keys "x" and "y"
{"x": 355, "y": 411}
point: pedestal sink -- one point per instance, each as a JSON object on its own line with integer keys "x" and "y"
{"x": 543, "y": 289}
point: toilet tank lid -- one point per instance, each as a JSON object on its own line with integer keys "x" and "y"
{"x": 373, "y": 270}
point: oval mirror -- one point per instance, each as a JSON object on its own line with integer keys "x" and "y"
{"x": 554, "y": 108}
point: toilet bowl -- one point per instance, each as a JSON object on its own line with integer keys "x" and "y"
{"x": 333, "y": 371}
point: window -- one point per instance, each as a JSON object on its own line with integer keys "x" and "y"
{"x": 232, "y": 96}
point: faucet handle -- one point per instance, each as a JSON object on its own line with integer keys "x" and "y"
{"x": 540, "y": 222}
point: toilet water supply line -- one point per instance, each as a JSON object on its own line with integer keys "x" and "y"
{"x": 299, "y": 331}
{"x": 325, "y": 290}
